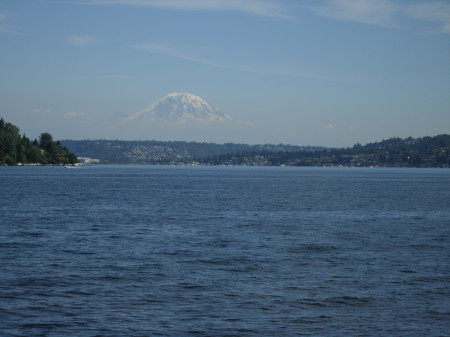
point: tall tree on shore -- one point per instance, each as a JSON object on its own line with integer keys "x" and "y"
{"x": 15, "y": 149}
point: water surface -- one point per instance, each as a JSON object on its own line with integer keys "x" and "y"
{"x": 224, "y": 251}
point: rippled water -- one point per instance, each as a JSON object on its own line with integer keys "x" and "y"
{"x": 224, "y": 251}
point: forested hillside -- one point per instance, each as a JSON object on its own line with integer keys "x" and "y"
{"x": 16, "y": 149}
{"x": 166, "y": 152}
{"x": 394, "y": 152}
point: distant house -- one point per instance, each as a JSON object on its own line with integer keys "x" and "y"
{"x": 86, "y": 160}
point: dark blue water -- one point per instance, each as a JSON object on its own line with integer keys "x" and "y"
{"x": 209, "y": 251}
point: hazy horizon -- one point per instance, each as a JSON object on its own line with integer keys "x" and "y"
{"x": 322, "y": 73}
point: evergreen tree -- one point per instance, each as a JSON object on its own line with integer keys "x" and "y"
{"x": 15, "y": 149}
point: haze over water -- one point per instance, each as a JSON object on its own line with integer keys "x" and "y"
{"x": 224, "y": 251}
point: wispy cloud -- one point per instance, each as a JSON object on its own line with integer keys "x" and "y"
{"x": 104, "y": 77}
{"x": 386, "y": 13}
{"x": 432, "y": 11}
{"x": 41, "y": 111}
{"x": 263, "y": 69}
{"x": 77, "y": 115}
{"x": 266, "y": 8}
{"x": 81, "y": 41}
{"x": 4, "y": 30}
{"x": 163, "y": 50}
{"x": 375, "y": 12}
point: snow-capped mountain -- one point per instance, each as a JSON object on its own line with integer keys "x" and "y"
{"x": 178, "y": 107}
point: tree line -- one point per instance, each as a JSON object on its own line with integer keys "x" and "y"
{"x": 394, "y": 152}
{"x": 16, "y": 149}
{"x": 166, "y": 152}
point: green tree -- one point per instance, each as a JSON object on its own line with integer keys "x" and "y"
{"x": 46, "y": 141}
{"x": 15, "y": 149}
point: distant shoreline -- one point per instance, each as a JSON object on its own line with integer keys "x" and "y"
{"x": 395, "y": 152}
{"x": 221, "y": 165}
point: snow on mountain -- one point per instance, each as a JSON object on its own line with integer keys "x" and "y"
{"x": 178, "y": 107}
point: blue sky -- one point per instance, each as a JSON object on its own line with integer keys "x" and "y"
{"x": 318, "y": 72}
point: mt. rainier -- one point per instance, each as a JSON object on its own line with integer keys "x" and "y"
{"x": 178, "y": 108}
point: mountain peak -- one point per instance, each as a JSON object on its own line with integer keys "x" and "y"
{"x": 179, "y": 107}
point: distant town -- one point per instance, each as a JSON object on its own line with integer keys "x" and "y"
{"x": 394, "y": 152}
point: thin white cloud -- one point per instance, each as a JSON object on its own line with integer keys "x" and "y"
{"x": 375, "y": 12}
{"x": 266, "y": 69}
{"x": 386, "y": 13}
{"x": 81, "y": 41}
{"x": 438, "y": 12}
{"x": 104, "y": 77}
{"x": 77, "y": 115}
{"x": 163, "y": 50}
{"x": 41, "y": 111}
{"x": 266, "y": 8}
{"x": 4, "y": 30}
